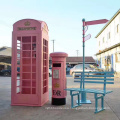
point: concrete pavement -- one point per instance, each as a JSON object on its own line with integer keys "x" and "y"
{"x": 50, "y": 112}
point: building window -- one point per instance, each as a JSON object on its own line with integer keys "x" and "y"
{"x": 103, "y": 40}
{"x": 117, "y": 28}
{"x": 99, "y": 43}
{"x": 108, "y": 60}
{"x": 103, "y": 60}
{"x": 117, "y": 56}
{"x": 108, "y": 35}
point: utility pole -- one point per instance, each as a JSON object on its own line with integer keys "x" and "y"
{"x": 77, "y": 52}
{"x": 53, "y": 44}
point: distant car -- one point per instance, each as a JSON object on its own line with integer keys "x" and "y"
{"x": 79, "y": 68}
{"x": 7, "y": 72}
{"x": 50, "y": 72}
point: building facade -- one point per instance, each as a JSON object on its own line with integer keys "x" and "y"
{"x": 72, "y": 61}
{"x": 5, "y": 58}
{"x": 108, "y": 42}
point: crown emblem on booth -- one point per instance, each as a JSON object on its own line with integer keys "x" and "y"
{"x": 27, "y": 23}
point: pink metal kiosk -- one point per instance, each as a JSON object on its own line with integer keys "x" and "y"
{"x": 58, "y": 78}
{"x": 30, "y": 60}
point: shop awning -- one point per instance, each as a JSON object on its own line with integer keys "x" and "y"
{"x": 2, "y": 63}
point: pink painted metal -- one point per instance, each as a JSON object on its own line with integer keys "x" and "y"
{"x": 84, "y": 31}
{"x": 96, "y": 22}
{"x": 30, "y": 61}
{"x": 58, "y": 77}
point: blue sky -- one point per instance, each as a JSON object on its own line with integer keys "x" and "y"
{"x": 63, "y": 17}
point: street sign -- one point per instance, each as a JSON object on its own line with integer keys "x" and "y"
{"x": 96, "y": 22}
{"x": 86, "y": 28}
{"x": 87, "y": 37}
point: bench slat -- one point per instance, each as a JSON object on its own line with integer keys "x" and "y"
{"x": 89, "y": 90}
{"x": 95, "y": 79}
{"x": 96, "y": 82}
{"x": 97, "y": 72}
{"x": 95, "y": 75}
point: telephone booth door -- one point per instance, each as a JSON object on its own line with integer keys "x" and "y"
{"x": 25, "y": 64}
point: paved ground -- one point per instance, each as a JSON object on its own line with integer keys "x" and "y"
{"x": 50, "y": 112}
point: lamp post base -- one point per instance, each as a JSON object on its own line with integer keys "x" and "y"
{"x": 84, "y": 102}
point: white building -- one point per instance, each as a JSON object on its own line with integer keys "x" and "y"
{"x": 108, "y": 42}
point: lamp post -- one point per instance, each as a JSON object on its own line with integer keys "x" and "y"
{"x": 77, "y": 52}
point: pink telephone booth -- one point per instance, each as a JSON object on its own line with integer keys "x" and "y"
{"x": 30, "y": 63}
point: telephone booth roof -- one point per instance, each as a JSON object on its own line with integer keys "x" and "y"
{"x": 58, "y": 54}
{"x": 29, "y": 23}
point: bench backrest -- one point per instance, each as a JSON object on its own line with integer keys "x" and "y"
{"x": 94, "y": 77}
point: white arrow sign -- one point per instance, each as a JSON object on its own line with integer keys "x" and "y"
{"x": 87, "y": 37}
{"x": 86, "y": 28}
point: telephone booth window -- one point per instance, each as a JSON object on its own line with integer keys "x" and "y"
{"x": 45, "y": 66}
{"x": 26, "y": 53}
{"x": 18, "y": 80}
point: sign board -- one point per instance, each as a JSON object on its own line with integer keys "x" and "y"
{"x": 96, "y": 22}
{"x": 87, "y": 37}
{"x": 86, "y": 28}
{"x": 56, "y": 74}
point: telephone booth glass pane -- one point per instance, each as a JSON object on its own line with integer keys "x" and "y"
{"x": 18, "y": 80}
{"x": 26, "y": 65}
{"x": 45, "y": 66}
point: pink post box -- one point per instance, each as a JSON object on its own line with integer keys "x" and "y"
{"x": 58, "y": 78}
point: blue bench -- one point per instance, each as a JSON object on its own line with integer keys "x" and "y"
{"x": 91, "y": 77}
